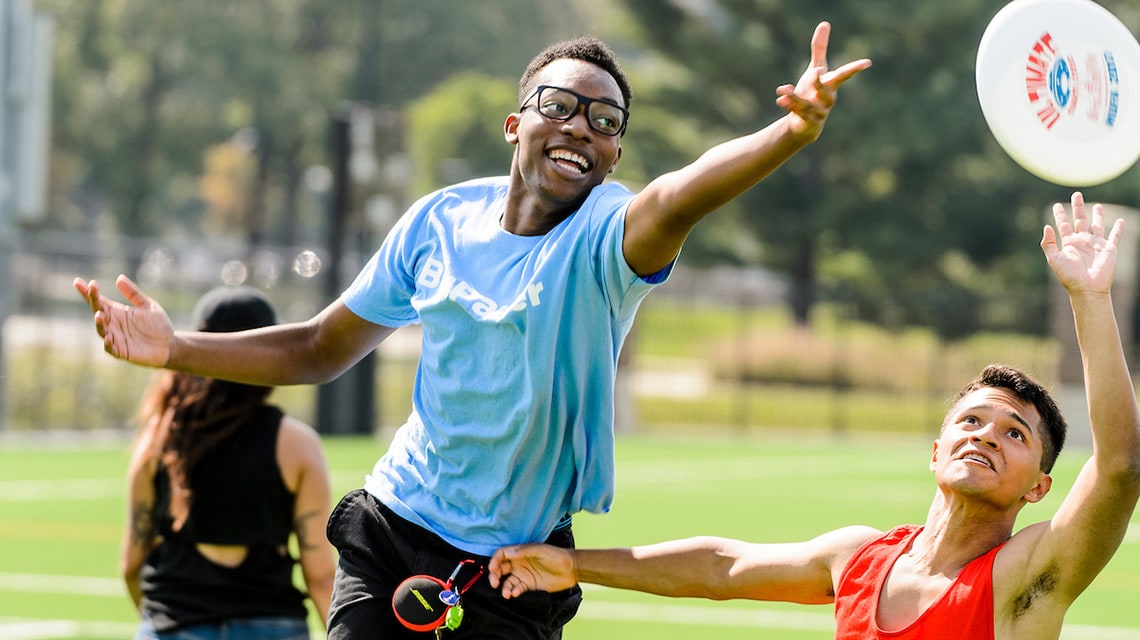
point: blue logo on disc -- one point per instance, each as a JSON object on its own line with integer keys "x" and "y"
{"x": 1061, "y": 83}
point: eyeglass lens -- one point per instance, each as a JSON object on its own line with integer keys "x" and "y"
{"x": 560, "y": 104}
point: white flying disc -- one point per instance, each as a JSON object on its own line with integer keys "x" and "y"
{"x": 1059, "y": 86}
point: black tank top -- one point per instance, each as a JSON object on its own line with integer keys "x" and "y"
{"x": 239, "y": 498}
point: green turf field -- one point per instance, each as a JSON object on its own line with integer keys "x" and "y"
{"x": 60, "y": 513}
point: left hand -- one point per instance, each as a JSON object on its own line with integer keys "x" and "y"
{"x": 1078, "y": 251}
{"x": 809, "y": 101}
{"x": 531, "y": 567}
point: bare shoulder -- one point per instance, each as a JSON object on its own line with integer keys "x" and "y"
{"x": 299, "y": 449}
{"x": 855, "y": 535}
{"x": 837, "y": 546}
{"x": 841, "y": 545}
{"x": 297, "y": 439}
{"x": 144, "y": 460}
{"x": 297, "y": 431}
{"x": 846, "y": 541}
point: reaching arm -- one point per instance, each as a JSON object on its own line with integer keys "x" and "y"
{"x": 703, "y": 567}
{"x": 1091, "y": 522}
{"x": 309, "y": 352}
{"x": 663, "y": 214}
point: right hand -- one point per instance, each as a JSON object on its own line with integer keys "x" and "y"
{"x": 531, "y": 567}
{"x": 810, "y": 100}
{"x": 140, "y": 333}
{"x": 1079, "y": 251}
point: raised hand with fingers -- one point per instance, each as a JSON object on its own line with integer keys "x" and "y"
{"x": 1078, "y": 251}
{"x": 140, "y": 332}
{"x": 810, "y": 100}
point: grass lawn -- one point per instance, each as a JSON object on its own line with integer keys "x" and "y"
{"x": 61, "y": 508}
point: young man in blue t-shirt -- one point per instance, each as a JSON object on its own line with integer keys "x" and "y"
{"x": 525, "y": 286}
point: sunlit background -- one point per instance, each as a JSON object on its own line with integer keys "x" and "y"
{"x": 274, "y": 143}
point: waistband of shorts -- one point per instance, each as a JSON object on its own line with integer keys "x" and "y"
{"x": 564, "y": 522}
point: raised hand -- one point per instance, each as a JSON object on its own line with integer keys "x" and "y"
{"x": 531, "y": 567}
{"x": 810, "y": 100}
{"x": 140, "y": 333}
{"x": 1079, "y": 253}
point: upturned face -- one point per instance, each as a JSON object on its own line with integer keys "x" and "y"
{"x": 559, "y": 161}
{"x": 991, "y": 447}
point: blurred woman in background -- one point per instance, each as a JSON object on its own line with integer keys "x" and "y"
{"x": 219, "y": 480}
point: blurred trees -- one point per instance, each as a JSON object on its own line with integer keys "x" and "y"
{"x": 906, "y": 206}
{"x": 148, "y": 93}
{"x": 202, "y": 118}
{"x": 144, "y": 90}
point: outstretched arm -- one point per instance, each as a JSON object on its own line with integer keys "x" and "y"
{"x": 1090, "y": 524}
{"x": 663, "y": 214}
{"x": 703, "y": 567}
{"x": 297, "y": 353}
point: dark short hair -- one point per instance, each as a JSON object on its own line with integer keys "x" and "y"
{"x": 585, "y": 48}
{"x": 1022, "y": 385}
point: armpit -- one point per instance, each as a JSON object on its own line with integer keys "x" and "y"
{"x": 1044, "y": 584}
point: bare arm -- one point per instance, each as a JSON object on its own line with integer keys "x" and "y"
{"x": 141, "y": 528}
{"x": 1091, "y": 522}
{"x": 309, "y": 352}
{"x": 663, "y": 214}
{"x": 702, "y": 567}
{"x": 302, "y": 460}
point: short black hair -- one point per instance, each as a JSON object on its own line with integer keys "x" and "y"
{"x": 585, "y": 48}
{"x": 1028, "y": 390}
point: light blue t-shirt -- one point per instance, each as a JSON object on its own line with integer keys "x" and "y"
{"x": 512, "y": 409}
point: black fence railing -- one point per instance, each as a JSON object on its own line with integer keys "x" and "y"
{"x": 712, "y": 350}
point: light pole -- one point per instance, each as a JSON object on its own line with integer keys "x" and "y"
{"x": 25, "y": 97}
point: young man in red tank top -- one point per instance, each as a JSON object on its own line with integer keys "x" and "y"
{"x": 964, "y": 573}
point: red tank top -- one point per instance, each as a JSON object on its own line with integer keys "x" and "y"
{"x": 966, "y": 610}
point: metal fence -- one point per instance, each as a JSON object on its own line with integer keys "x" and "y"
{"x": 711, "y": 350}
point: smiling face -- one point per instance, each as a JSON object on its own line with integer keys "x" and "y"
{"x": 991, "y": 447}
{"x": 558, "y": 162}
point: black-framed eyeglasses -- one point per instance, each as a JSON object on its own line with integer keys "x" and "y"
{"x": 556, "y": 103}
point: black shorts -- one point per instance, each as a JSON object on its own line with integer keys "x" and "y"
{"x": 379, "y": 549}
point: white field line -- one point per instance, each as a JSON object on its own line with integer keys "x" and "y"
{"x": 71, "y": 489}
{"x": 640, "y": 472}
{"x": 99, "y": 488}
{"x": 19, "y": 629}
{"x": 62, "y": 585}
{"x": 758, "y": 618}
{"x": 679, "y": 472}
{"x": 15, "y": 629}
{"x": 727, "y": 616}
{"x": 1089, "y": 632}
{"x": 734, "y": 616}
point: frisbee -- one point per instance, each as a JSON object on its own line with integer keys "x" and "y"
{"x": 1059, "y": 86}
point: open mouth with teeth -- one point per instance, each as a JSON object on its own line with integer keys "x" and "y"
{"x": 975, "y": 457}
{"x": 570, "y": 159}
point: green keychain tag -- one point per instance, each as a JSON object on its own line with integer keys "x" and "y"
{"x": 454, "y": 618}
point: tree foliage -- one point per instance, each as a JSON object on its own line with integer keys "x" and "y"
{"x": 906, "y": 206}
{"x": 144, "y": 90}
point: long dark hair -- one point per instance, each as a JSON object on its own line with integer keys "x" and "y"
{"x": 184, "y": 417}
{"x": 189, "y": 416}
